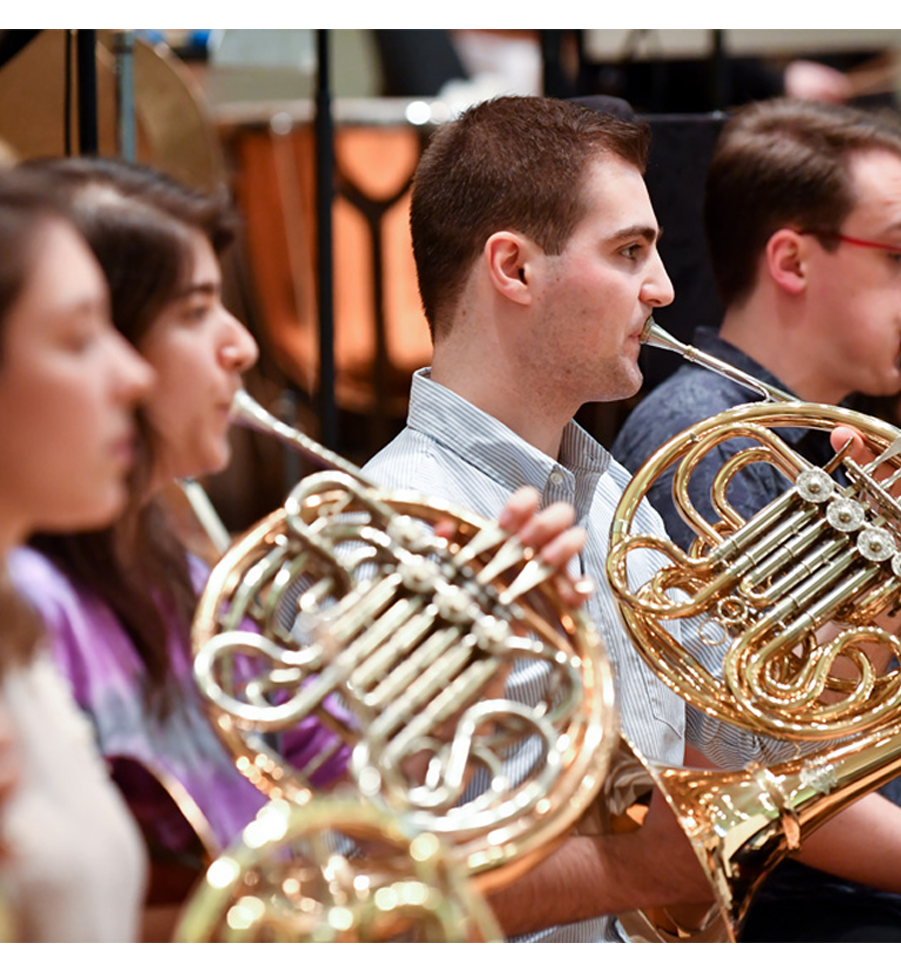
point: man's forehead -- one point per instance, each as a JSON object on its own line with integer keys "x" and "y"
{"x": 876, "y": 188}
{"x": 615, "y": 188}
{"x": 605, "y": 162}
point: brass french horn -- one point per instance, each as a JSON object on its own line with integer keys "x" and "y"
{"x": 788, "y": 611}
{"x": 346, "y": 606}
{"x": 335, "y": 871}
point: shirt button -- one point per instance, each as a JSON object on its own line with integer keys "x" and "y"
{"x": 556, "y": 477}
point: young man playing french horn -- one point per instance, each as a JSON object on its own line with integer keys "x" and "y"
{"x": 803, "y": 219}
{"x": 536, "y": 251}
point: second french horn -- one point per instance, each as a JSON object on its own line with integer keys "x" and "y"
{"x": 787, "y": 626}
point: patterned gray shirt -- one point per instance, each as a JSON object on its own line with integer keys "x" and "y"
{"x": 452, "y": 450}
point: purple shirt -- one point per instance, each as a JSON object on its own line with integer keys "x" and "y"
{"x": 107, "y": 675}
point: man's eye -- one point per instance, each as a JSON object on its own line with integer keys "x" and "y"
{"x": 632, "y": 251}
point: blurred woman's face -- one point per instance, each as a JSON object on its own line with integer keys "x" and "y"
{"x": 199, "y": 352}
{"x": 68, "y": 386}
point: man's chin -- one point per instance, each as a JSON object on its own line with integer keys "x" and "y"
{"x": 623, "y": 389}
{"x": 888, "y": 388}
{"x": 634, "y": 385}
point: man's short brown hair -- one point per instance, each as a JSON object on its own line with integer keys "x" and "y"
{"x": 783, "y": 164}
{"x": 507, "y": 164}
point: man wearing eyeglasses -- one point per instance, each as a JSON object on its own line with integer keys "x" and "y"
{"x": 803, "y": 217}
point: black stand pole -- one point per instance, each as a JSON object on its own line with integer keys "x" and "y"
{"x": 324, "y": 195}
{"x": 721, "y": 95}
{"x": 87, "y": 92}
{"x": 556, "y": 84}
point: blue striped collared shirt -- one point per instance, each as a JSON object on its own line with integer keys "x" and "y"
{"x": 452, "y": 450}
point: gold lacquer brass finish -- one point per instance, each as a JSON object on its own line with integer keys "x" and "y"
{"x": 788, "y": 612}
{"x": 347, "y": 607}
{"x": 741, "y": 824}
{"x": 335, "y": 871}
{"x": 760, "y": 593}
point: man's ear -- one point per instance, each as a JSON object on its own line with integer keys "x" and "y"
{"x": 511, "y": 259}
{"x": 785, "y": 260}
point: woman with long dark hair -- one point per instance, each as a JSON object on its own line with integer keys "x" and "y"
{"x": 119, "y": 601}
{"x": 72, "y": 861}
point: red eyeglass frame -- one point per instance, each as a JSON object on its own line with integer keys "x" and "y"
{"x": 853, "y": 240}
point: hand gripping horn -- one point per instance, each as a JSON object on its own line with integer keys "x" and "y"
{"x": 789, "y": 612}
{"x": 345, "y": 605}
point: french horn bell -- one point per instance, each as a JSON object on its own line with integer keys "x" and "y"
{"x": 791, "y": 613}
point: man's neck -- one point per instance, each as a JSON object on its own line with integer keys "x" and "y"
{"x": 493, "y": 385}
{"x": 782, "y": 345}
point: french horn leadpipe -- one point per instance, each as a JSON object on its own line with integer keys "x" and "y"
{"x": 345, "y": 607}
{"x": 788, "y": 610}
{"x": 654, "y": 336}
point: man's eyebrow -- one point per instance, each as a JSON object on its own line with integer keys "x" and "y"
{"x": 651, "y": 234}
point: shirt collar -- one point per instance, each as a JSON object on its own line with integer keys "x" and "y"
{"x": 496, "y": 450}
